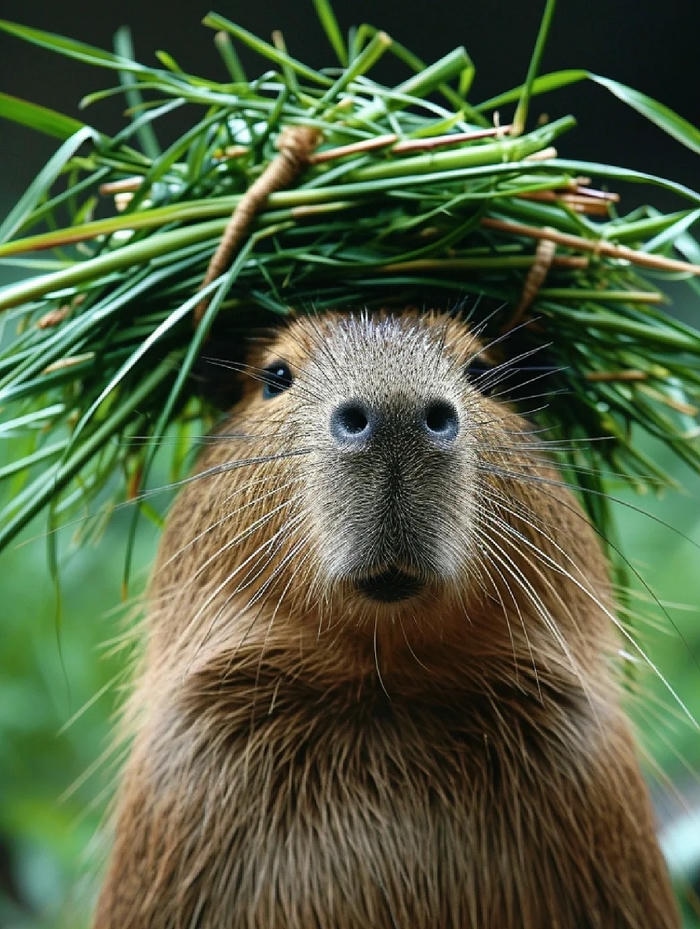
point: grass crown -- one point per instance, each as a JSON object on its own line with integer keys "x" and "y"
{"x": 404, "y": 194}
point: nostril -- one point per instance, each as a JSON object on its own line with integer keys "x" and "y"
{"x": 350, "y": 422}
{"x": 442, "y": 420}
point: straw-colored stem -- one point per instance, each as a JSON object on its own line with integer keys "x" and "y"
{"x": 407, "y": 146}
{"x": 428, "y": 143}
{"x": 579, "y": 294}
{"x": 441, "y": 265}
{"x": 615, "y": 376}
{"x": 354, "y": 148}
{"x": 504, "y": 150}
{"x": 598, "y": 247}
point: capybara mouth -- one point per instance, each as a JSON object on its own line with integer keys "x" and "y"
{"x": 389, "y": 586}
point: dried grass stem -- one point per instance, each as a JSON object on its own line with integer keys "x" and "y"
{"x": 598, "y": 247}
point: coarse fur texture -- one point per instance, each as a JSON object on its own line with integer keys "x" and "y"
{"x": 381, "y": 683}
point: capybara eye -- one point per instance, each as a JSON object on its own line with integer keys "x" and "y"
{"x": 276, "y": 377}
{"x": 476, "y": 371}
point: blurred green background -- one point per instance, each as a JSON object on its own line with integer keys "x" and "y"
{"x": 59, "y": 670}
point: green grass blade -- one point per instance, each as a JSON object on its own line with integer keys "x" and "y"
{"x": 120, "y": 260}
{"x": 41, "y": 118}
{"x": 49, "y": 485}
{"x": 420, "y": 85}
{"x": 136, "y": 356}
{"x": 450, "y": 66}
{"x": 71, "y": 48}
{"x": 546, "y": 83}
{"x": 657, "y": 113}
{"x": 42, "y": 183}
{"x": 20, "y": 423}
{"x": 199, "y": 336}
{"x": 123, "y": 47}
{"x": 520, "y": 118}
{"x": 674, "y": 232}
{"x": 367, "y": 58}
{"x": 144, "y": 219}
{"x": 30, "y": 461}
{"x": 491, "y": 153}
{"x": 215, "y": 21}
{"x": 229, "y": 56}
{"x": 326, "y": 17}
{"x": 690, "y": 249}
{"x": 662, "y": 116}
{"x": 627, "y": 175}
{"x": 169, "y": 63}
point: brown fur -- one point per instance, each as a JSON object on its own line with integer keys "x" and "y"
{"x": 308, "y": 757}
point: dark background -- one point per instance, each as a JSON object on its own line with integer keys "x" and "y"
{"x": 51, "y": 668}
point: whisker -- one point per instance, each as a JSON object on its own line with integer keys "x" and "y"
{"x": 497, "y": 551}
{"x": 375, "y": 650}
{"x": 521, "y": 619}
{"x": 247, "y": 580}
{"x": 628, "y": 637}
{"x": 250, "y": 528}
{"x": 544, "y": 480}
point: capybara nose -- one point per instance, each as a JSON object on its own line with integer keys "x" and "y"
{"x": 355, "y": 423}
{"x": 440, "y": 421}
